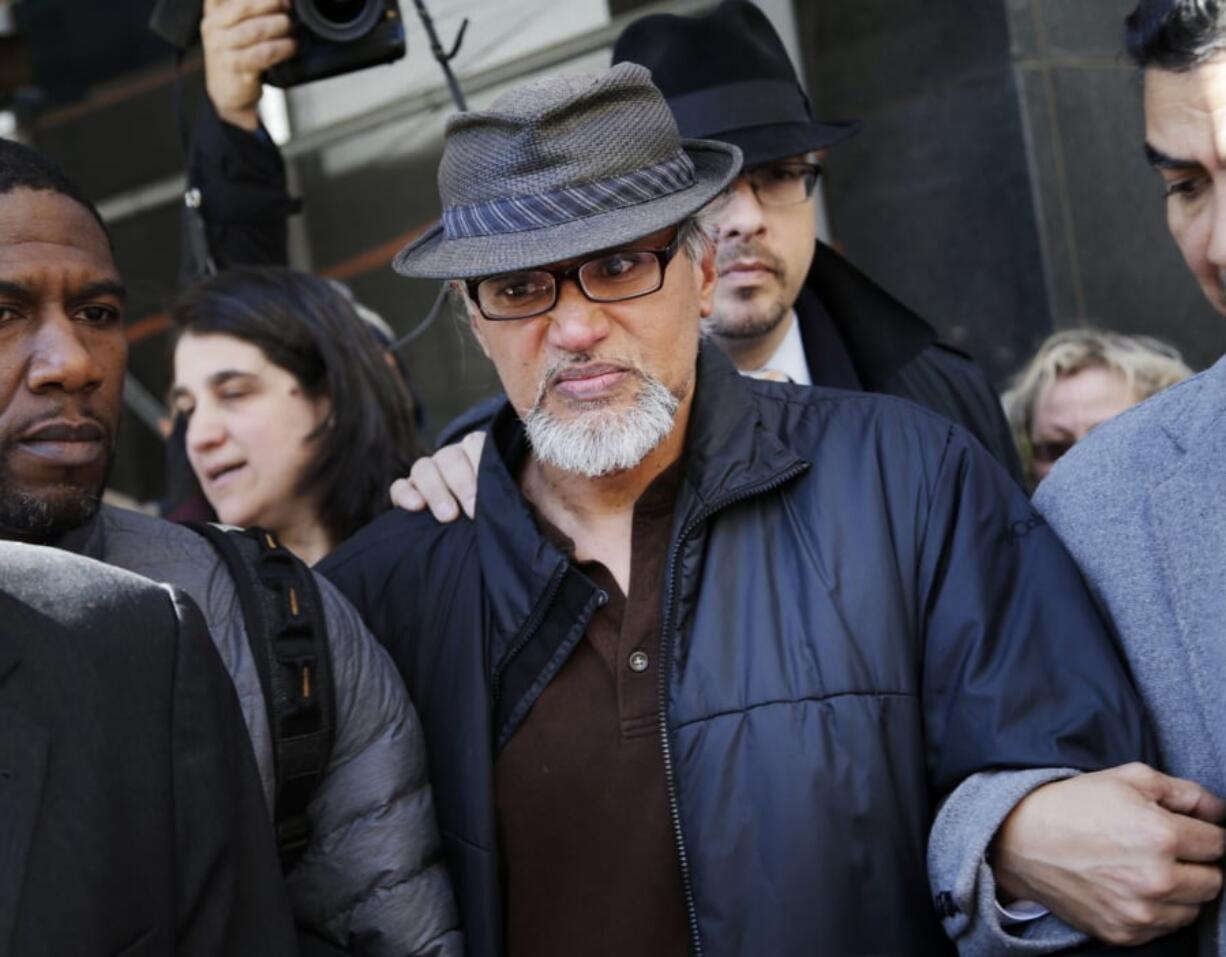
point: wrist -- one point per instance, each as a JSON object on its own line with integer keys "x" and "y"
{"x": 1007, "y": 864}
{"x": 245, "y": 118}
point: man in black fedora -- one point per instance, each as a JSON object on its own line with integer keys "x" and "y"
{"x": 786, "y": 302}
{"x": 714, "y": 652}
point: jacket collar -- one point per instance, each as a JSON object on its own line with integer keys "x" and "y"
{"x": 13, "y": 641}
{"x": 1194, "y": 409}
{"x": 538, "y": 604}
{"x": 1189, "y": 524}
{"x": 85, "y": 540}
{"x": 881, "y": 335}
{"x": 88, "y": 539}
{"x": 729, "y": 454}
{"x": 12, "y": 650}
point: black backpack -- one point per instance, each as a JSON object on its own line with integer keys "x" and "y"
{"x": 284, "y": 618}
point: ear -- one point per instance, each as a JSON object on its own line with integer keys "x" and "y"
{"x": 708, "y": 277}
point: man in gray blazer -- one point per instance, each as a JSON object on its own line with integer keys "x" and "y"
{"x": 132, "y": 820}
{"x": 1141, "y": 503}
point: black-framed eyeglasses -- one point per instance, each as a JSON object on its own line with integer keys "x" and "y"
{"x": 785, "y": 183}
{"x": 612, "y": 276}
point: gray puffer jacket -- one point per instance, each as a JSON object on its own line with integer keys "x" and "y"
{"x": 372, "y": 880}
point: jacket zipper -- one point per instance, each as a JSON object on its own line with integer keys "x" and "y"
{"x": 674, "y": 807}
{"x": 529, "y": 629}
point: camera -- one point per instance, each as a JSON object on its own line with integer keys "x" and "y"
{"x": 334, "y": 36}
{"x": 340, "y": 36}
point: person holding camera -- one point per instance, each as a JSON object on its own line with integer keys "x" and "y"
{"x": 236, "y": 175}
{"x": 235, "y": 168}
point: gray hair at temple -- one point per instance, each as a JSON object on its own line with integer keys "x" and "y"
{"x": 1148, "y": 365}
{"x": 1176, "y": 35}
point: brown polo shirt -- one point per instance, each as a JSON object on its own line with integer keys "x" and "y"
{"x": 589, "y": 859}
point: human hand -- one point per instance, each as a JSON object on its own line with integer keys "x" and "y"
{"x": 1126, "y": 855}
{"x": 442, "y": 481}
{"x": 242, "y": 39}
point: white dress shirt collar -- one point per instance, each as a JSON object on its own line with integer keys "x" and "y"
{"x": 789, "y": 357}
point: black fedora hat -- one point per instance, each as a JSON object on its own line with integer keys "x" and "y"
{"x": 727, "y": 76}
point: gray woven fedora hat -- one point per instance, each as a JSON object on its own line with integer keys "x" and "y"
{"x": 562, "y": 167}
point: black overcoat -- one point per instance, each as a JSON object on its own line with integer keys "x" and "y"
{"x": 895, "y": 352}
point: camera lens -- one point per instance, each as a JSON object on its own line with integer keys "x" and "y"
{"x": 339, "y": 20}
{"x": 340, "y": 12}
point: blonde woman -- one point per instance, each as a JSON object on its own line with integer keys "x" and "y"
{"x": 1080, "y": 378}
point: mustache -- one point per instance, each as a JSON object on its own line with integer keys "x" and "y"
{"x": 555, "y": 369}
{"x": 727, "y": 254}
{"x": 89, "y": 426}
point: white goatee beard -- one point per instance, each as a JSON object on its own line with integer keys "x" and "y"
{"x": 604, "y": 439}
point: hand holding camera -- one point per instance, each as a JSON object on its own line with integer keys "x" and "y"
{"x": 242, "y": 39}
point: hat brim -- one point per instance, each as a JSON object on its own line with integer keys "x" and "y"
{"x": 433, "y": 256}
{"x": 763, "y": 144}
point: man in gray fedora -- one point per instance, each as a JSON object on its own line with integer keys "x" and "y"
{"x": 787, "y": 306}
{"x": 720, "y": 666}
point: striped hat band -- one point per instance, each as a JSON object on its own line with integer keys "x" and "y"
{"x": 518, "y": 214}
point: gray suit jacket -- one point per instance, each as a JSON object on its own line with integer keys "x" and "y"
{"x": 1141, "y": 504}
{"x": 131, "y": 816}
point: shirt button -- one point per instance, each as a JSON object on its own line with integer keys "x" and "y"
{"x": 639, "y": 661}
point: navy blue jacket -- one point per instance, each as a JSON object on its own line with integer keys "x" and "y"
{"x": 861, "y": 610}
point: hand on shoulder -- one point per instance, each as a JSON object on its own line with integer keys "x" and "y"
{"x": 445, "y": 482}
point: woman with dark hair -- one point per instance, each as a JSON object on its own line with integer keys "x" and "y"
{"x": 295, "y": 421}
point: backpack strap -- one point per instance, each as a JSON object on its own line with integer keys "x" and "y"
{"x": 284, "y": 617}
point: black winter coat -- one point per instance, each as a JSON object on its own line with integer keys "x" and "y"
{"x": 861, "y": 610}
{"x": 895, "y": 352}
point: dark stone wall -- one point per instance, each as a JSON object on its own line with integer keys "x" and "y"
{"x": 933, "y": 199}
{"x": 999, "y": 186}
{"x": 1109, "y": 256}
